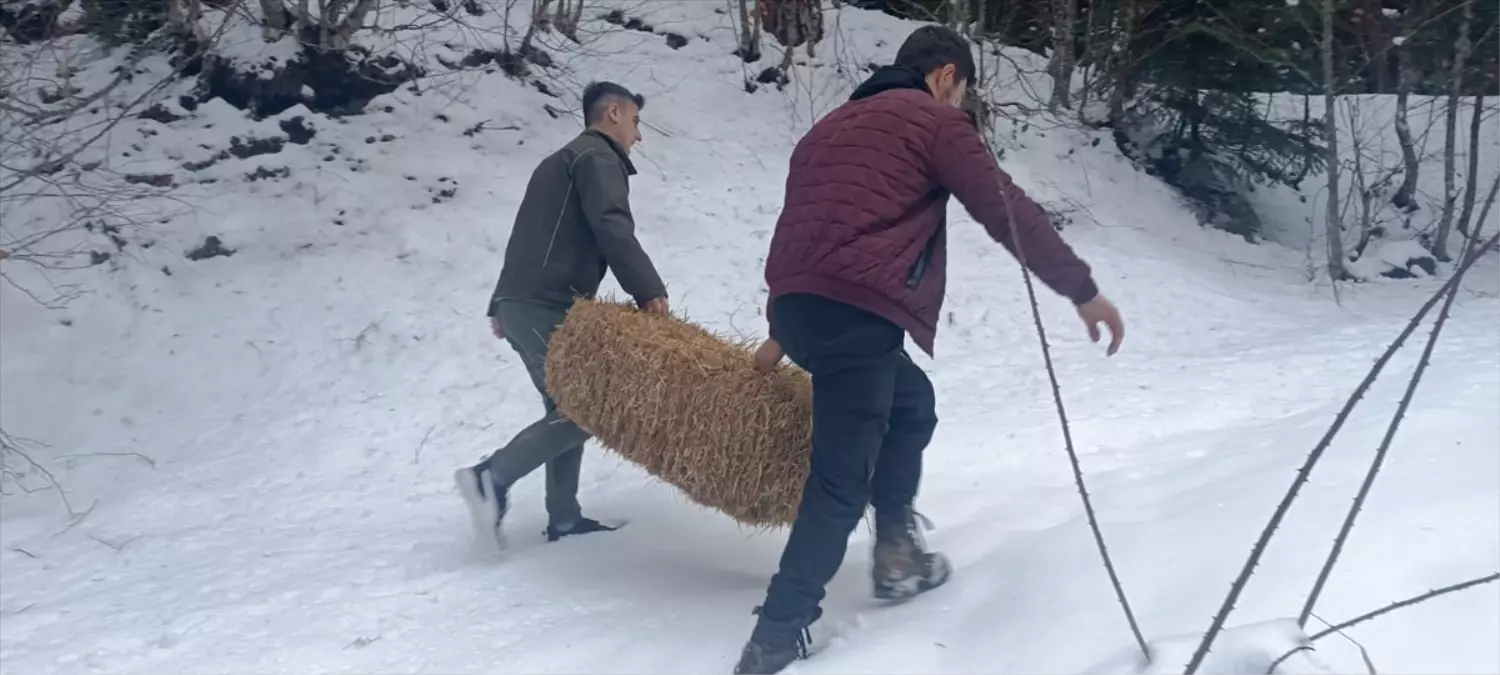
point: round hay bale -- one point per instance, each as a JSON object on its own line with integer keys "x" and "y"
{"x": 687, "y": 406}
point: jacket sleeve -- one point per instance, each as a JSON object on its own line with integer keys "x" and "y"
{"x": 604, "y": 195}
{"x": 964, "y": 166}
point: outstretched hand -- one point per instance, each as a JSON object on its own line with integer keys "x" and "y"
{"x": 1101, "y": 310}
{"x": 496, "y": 329}
{"x": 767, "y": 356}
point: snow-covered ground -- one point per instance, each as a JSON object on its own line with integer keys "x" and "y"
{"x": 264, "y": 442}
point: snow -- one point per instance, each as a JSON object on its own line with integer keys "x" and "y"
{"x": 263, "y": 443}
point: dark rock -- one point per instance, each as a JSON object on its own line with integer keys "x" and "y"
{"x": 212, "y": 247}
{"x": 159, "y": 113}
{"x": 32, "y": 22}
{"x": 262, "y": 173}
{"x": 772, "y": 76}
{"x": 153, "y": 179}
{"x": 254, "y": 147}
{"x": 343, "y": 82}
{"x": 297, "y": 130}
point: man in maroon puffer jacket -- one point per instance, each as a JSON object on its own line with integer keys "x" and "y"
{"x": 857, "y": 262}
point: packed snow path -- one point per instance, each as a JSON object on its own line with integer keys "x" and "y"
{"x": 304, "y": 402}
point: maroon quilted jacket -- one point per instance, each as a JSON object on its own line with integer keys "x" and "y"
{"x": 866, "y": 197}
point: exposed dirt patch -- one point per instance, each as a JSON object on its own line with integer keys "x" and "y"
{"x": 339, "y": 83}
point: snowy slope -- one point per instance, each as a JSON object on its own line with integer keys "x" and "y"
{"x": 303, "y": 402}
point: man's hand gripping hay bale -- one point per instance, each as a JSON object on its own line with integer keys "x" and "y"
{"x": 691, "y": 408}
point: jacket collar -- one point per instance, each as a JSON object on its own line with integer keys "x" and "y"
{"x": 613, "y": 145}
{"x": 887, "y": 78}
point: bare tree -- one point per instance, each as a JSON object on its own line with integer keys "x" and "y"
{"x": 793, "y": 23}
{"x": 566, "y": 17}
{"x": 1334, "y": 227}
{"x": 1490, "y": 201}
{"x": 1061, "y": 64}
{"x": 1471, "y": 184}
{"x": 1405, "y": 196}
{"x": 1450, "y": 126}
{"x": 185, "y": 17}
{"x": 1124, "y": 25}
{"x": 749, "y": 20}
{"x": 1361, "y": 189}
{"x": 329, "y": 26}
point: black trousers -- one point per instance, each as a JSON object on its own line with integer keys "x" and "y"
{"x": 873, "y": 415}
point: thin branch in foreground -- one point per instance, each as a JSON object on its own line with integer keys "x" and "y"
{"x": 1271, "y": 669}
{"x": 1390, "y": 432}
{"x": 150, "y": 462}
{"x": 10, "y": 445}
{"x": 1364, "y": 654}
{"x": 1062, "y": 415}
{"x": 1305, "y": 471}
{"x": 1454, "y": 588}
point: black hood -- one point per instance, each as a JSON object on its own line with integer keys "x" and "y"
{"x": 888, "y": 78}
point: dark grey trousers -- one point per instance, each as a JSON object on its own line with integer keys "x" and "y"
{"x": 553, "y": 440}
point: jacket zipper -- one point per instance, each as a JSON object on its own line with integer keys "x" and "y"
{"x": 914, "y": 278}
{"x": 919, "y": 268}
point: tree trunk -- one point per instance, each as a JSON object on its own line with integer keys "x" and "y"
{"x": 576, "y": 19}
{"x": 1361, "y": 186}
{"x": 1405, "y": 197}
{"x": 349, "y": 24}
{"x": 273, "y": 20}
{"x": 958, "y": 18}
{"x": 302, "y": 18}
{"x": 1472, "y": 182}
{"x": 538, "y": 18}
{"x": 183, "y": 17}
{"x": 1060, "y": 66}
{"x": 1450, "y": 124}
{"x": 1125, "y": 20}
{"x": 1336, "y": 269}
{"x": 749, "y": 34}
{"x": 1490, "y": 201}
{"x": 1377, "y": 45}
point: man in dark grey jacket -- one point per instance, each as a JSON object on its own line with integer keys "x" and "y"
{"x": 574, "y": 224}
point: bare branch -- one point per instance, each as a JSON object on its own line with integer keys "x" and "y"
{"x": 1454, "y": 588}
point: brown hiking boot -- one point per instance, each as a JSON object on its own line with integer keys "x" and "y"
{"x": 903, "y": 568}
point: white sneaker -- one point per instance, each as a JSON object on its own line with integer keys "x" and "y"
{"x": 487, "y": 504}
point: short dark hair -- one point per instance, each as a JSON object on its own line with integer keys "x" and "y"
{"x": 598, "y": 94}
{"x": 933, "y": 46}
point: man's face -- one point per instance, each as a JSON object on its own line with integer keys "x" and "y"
{"x": 625, "y": 123}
